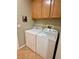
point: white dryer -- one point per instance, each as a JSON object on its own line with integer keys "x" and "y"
{"x": 46, "y": 43}
{"x": 30, "y": 37}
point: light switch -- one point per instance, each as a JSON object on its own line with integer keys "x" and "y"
{"x": 18, "y": 25}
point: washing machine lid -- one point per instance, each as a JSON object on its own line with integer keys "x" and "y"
{"x": 33, "y": 31}
{"x": 50, "y": 34}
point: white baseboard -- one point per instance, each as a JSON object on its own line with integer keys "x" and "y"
{"x": 22, "y": 46}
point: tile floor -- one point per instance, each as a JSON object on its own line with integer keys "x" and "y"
{"x": 26, "y": 53}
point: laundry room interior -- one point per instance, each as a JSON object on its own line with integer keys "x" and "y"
{"x": 38, "y": 29}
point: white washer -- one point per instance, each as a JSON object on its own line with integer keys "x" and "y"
{"x": 46, "y": 43}
{"x": 42, "y": 45}
{"x": 30, "y": 37}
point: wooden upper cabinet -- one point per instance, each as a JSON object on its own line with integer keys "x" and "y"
{"x": 36, "y": 9}
{"x": 56, "y": 9}
{"x": 45, "y": 8}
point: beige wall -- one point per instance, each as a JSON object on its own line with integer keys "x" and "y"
{"x": 55, "y": 22}
{"x": 23, "y": 9}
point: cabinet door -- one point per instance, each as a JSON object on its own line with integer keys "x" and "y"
{"x": 45, "y": 8}
{"x": 36, "y": 8}
{"x": 31, "y": 41}
{"x": 56, "y": 8}
{"x": 42, "y": 45}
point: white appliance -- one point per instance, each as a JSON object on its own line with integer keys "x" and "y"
{"x": 30, "y": 36}
{"x": 46, "y": 43}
